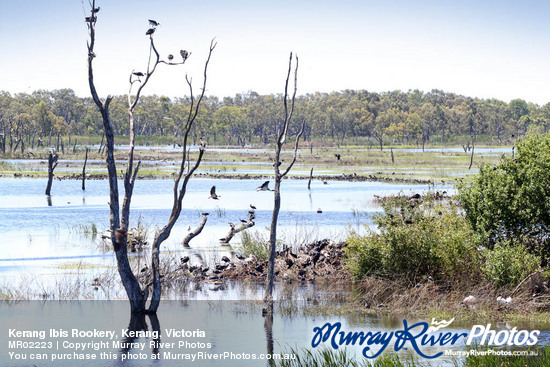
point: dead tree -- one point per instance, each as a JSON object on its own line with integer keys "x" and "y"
{"x": 119, "y": 219}
{"x": 233, "y": 230}
{"x": 84, "y": 170}
{"x": 52, "y": 164}
{"x": 281, "y": 135}
{"x": 196, "y": 232}
{"x": 179, "y": 190}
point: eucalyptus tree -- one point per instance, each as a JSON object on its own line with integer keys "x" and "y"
{"x": 138, "y": 295}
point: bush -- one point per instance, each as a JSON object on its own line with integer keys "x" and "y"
{"x": 511, "y": 201}
{"x": 255, "y": 244}
{"x": 508, "y": 265}
{"x": 416, "y": 241}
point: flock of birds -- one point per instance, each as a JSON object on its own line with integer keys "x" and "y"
{"x": 262, "y": 187}
{"x": 153, "y": 24}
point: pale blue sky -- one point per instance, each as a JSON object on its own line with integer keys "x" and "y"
{"x": 483, "y": 49}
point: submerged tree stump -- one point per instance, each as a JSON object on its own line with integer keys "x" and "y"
{"x": 84, "y": 170}
{"x": 52, "y": 164}
{"x": 196, "y": 232}
{"x": 234, "y": 229}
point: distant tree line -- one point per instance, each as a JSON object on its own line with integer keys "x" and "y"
{"x": 54, "y": 118}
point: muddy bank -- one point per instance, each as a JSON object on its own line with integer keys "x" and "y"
{"x": 324, "y": 179}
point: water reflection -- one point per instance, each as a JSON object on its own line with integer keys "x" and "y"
{"x": 229, "y": 327}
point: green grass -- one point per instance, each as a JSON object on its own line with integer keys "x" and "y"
{"x": 355, "y": 159}
{"x": 336, "y": 358}
{"x": 542, "y": 359}
{"x": 339, "y": 358}
{"x": 253, "y": 243}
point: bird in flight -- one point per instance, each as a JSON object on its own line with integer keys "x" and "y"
{"x": 153, "y": 23}
{"x": 252, "y": 206}
{"x": 213, "y": 194}
{"x": 264, "y": 187}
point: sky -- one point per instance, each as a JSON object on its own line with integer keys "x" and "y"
{"x": 484, "y": 49}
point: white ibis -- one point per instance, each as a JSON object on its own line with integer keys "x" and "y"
{"x": 504, "y": 301}
{"x": 470, "y": 300}
{"x": 264, "y": 187}
{"x": 213, "y": 194}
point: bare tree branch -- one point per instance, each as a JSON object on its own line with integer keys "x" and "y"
{"x": 179, "y": 192}
{"x": 194, "y": 233}
{"x": 295, "y": 149}
{"x": 281, "y": 139}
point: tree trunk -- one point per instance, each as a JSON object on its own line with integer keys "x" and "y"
{"x": 101, "y": 144}
{"x": 84, "y": 170}
{"x": 273, "y": 236}
{"x": 52, "y": 164}
{"x": 194, "y": 233}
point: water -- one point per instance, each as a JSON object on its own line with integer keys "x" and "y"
{"x": 44, "y": 244}
{"x": 48, "y": 235}
{"x": 221, "y": 328}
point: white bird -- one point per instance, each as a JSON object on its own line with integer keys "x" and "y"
{"x": 504, "y": 301}
{"x": 470, "y": 300}
{"x": 264, "y": 187}
{"x": 213, "y": 194}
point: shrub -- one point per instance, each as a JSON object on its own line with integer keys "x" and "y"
{"x": 255, "y": 244}
{"x": 511, "y": 201}
{"x": 508, "y": 265}
{"x": 415, "y": 241}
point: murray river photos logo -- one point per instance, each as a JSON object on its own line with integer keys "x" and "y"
{"x": 419, "y": 336}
